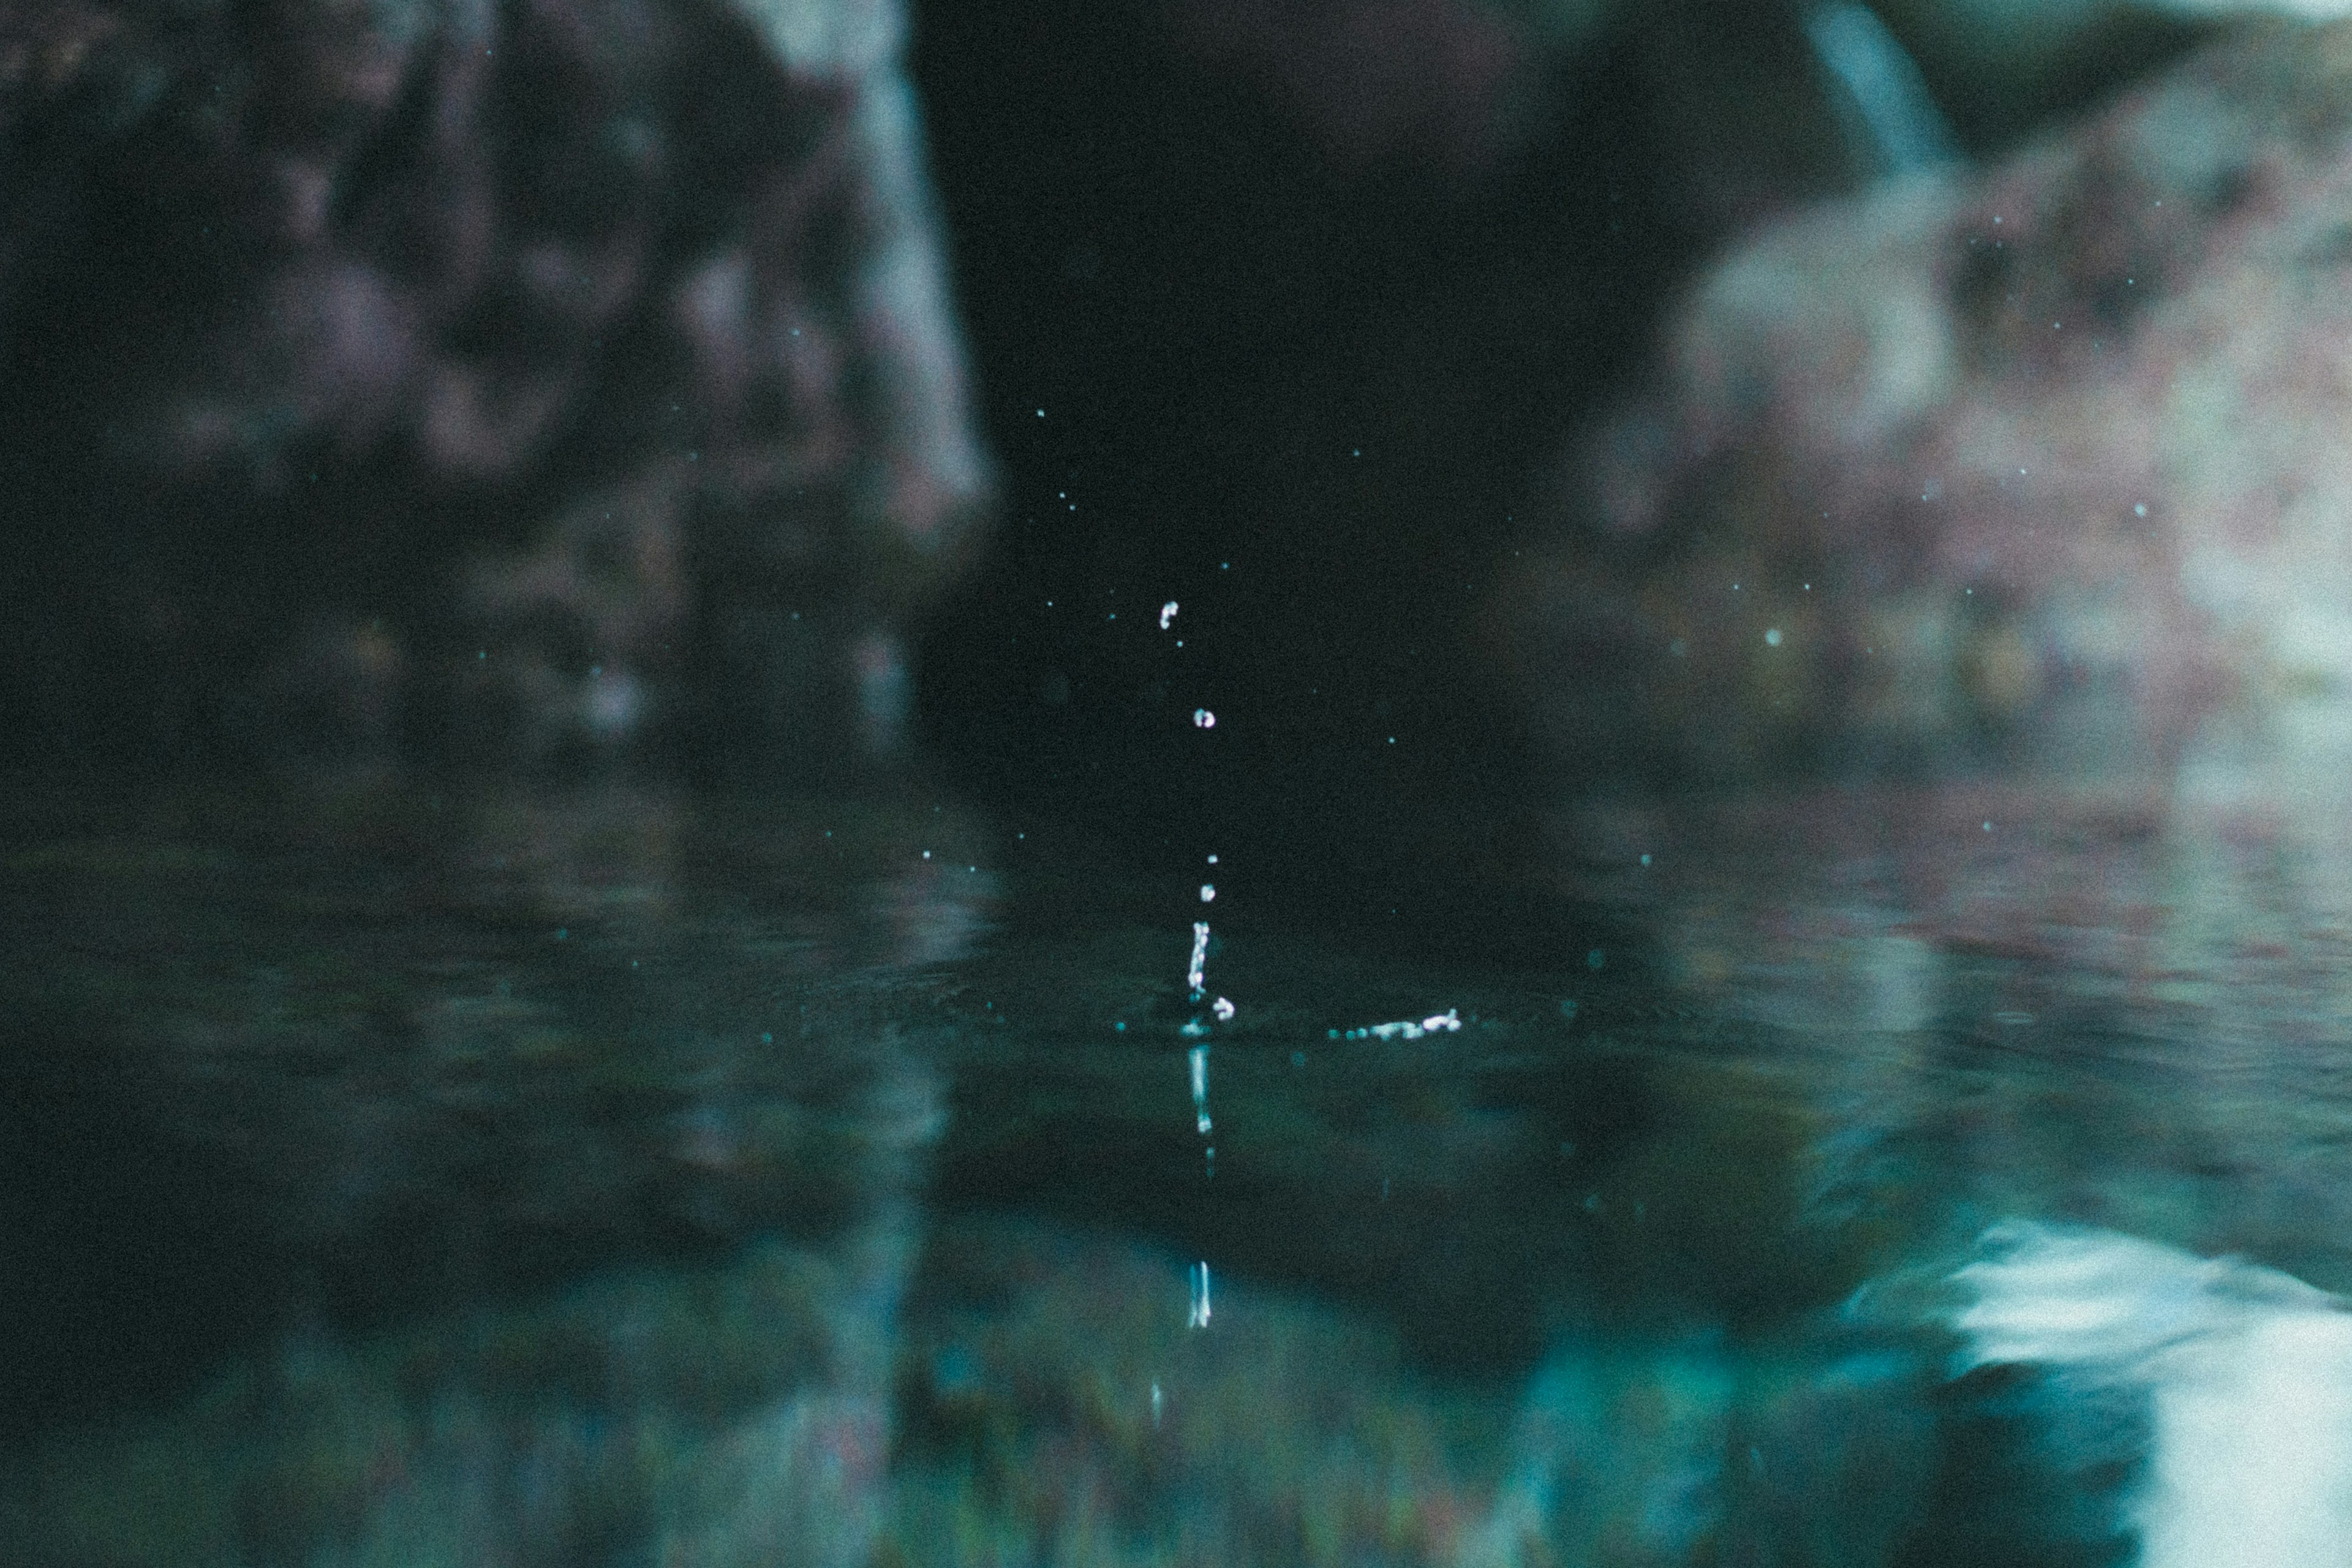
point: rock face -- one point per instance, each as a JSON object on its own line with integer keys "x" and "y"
{"x": 497, "y": 372}
{"x": 2043, "y": 467}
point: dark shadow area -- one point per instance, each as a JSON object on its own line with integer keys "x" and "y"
{"x": 1297, "y": 398}
{"x": 136, "y": 1263}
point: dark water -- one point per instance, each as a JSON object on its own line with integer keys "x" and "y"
{"x": 630, "y": 1176}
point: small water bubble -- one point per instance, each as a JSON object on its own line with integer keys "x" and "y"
{"x": 1771, "y": 636}
{"x": 1212, "y": 859}
{"x": 1645, "y": 859}
{"x": 2140, "y": 510}
{"x": 1204, "y": 719}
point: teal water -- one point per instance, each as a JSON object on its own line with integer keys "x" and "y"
{"x": 633, "y": 1176}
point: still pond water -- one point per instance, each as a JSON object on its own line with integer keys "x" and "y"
{"x": 633, "y": 1177}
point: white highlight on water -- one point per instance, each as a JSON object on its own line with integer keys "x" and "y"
{"x": 1223, "y": 1009}
{"x": 1204, "y": 719}
{"x": 1200, "y": 1061}
{"x": 1195, "y": 978}
{"x": 1208, "y": 892}
{"x": 2247, "y": 1371}
{"x": 1166, "y": 614}
{"x": 1446, "y": 1023}
{"x": 1200, "y": 1296}
{"x": 1156, "y": 1403}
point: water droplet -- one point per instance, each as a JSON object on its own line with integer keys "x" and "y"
{"x": 1223, "y": 1009}
{"x": 1771, "y": 636}
{"x": 2140, "y": 510}
{"x": 1208, "y": 891}
{"x": 1166, "y": 614}
{"x": 1156, "y": 1403}
{"x": 1595, "y": 959}
{"x": 1202, "y": 718}
{"x": 1200, "y": 1319}
{"x": 1192, "y": 978}
{"x": 1199, "y": 1058}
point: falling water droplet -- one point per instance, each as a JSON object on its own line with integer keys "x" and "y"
{"x": 1157, "y": 1401}
{"x": 1166, "y": 614}
{"x": 1199, "y": 1058}
{"x": 1195, "y": 976}
{"x": 1223, "y": 1009}
{"x": 1208, "y": 892}
{"x": 1204, "y": 719}
{"x": 1200, "y": 1296}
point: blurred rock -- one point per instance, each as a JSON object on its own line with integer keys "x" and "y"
{"x": 512, "y": 376}
{"x": 2040, "y": 469}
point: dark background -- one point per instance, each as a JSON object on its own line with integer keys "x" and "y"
{"x": 1309, "y": 373}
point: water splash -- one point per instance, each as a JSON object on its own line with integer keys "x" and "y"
{"x": 1197, "y": 978}
{"x": 1446, "y": 1023}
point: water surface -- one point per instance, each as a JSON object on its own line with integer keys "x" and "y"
{"x": 403, "y": 1175}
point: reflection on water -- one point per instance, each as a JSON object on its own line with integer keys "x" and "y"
{"x": 636, "y": 1177}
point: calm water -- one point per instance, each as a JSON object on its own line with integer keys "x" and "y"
{"x": 632, "y": 1177}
